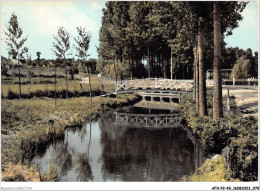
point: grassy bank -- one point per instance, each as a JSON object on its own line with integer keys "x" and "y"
{"x": 36, "y": 122}
{"x": 234, "y": 137}
{"x": 213, "y": 170}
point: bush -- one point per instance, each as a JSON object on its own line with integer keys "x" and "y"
{"x": 50, "y": 94}
{"x": 241, "y": 155}
{"x": 233, "y": 136}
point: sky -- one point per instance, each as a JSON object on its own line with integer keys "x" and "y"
{"x": 247, "y": 34}
{"x": 40, "y": 21}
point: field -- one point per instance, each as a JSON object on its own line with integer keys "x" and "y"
{"x": 45, "y": 87}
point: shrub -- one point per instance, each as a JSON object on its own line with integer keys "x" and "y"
{"x": 241, "y": 155}
{"x": 233, "y": 136}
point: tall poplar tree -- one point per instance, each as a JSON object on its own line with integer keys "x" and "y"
{"x": 217, "y": 72}
{"x": 61, "y": 46}
{"x": 82, "y": 46}
{"x": 15, "y": 43}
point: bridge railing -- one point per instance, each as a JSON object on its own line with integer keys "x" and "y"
{"x": 147, "y": 120}
{"x": 155, "y": 83}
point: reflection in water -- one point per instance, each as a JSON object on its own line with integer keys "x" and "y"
{"x": 71, "y": 156}
{"x": 108, "y": 151}
{"x": 143, "y": 154}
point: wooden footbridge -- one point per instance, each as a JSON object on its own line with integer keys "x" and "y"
{"x": 147, "y": 120}
{"x": 156, "y": 89}
{"x": 155, "y": 84}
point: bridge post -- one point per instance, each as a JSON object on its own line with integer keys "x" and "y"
{"x": 228, "y": 102}
{"x": 161, "y": 99}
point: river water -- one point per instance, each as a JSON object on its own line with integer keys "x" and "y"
{"x": 130, "y": 144}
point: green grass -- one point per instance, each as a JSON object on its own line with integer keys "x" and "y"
{"x": 213, "y": 170}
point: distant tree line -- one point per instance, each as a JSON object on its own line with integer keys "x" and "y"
{"x": 75, "y": 66}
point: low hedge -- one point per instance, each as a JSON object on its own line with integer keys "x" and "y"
{"x": 51, "y": 94}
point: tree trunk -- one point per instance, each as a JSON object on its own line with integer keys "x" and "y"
{"x": 194, "y": 73}
{"x": 167, "y": 66}
{"x": 116, "y": 79}
{"x": 148, "y": 62}
{"x": 197, "y": 80}
{"x": 152, "y": 64}
{"x": 202, "y": 82}
{"x": 66, "y": 79}
{"x": 171, "y": 65}
{"x": 30, "y": 78}
{"x": 89, "y": 82}
{"x": 55, "y": 82}
{"x": 19, "y": 74}
{"x": 164, "y": 67}
{"x": 217, "y": 85}
{"x": 183, "y": 71}
{"x": 132, "y": 66}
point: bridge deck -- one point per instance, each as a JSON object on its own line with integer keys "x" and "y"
{"x": 146, "y": 115}
{"x": 155, "y": 83}
{"x": 160, "y": 94}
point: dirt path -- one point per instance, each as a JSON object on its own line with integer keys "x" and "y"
{"x": 246, "y": 99}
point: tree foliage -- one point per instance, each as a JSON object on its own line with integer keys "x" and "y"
{"x": 61, "y": 46}
{"x": 242, "y": 68}
{"x": 233, "y": 58}
{"x": 82, "y": 43}
{"x": 82, "y": 46}
{"x": 132, "y": 32}
{"x": 38, "y": 54}
{"x": 15, "y": 42}
{"x": 14, "y": 39}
